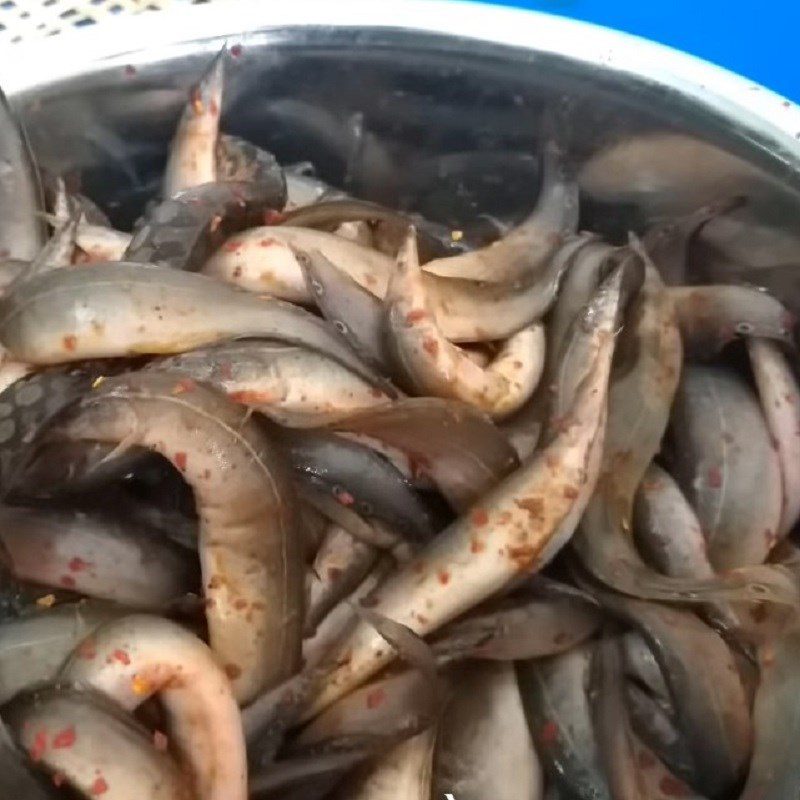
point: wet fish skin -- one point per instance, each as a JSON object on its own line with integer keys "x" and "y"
{"x": 133, "y": 658}
{"x": 240, "y": 160}
{"x": 16, "y": 779}
{"x": 528, "y": 247}
{"x": 22, "y": 232}
{"x": 527, "y": 518}
{"x": 555, "y": 698}
{"x": 483, "y": 738}
{"x": 185, "y": 229}
{"x": 123, "y": 309}
{"x": 191, "y": 160}
{"x": 250, "y": 551}
{"x": 725, "y": 463}
{"x": 95, "y": 747}
{"x": 710, "y": 316}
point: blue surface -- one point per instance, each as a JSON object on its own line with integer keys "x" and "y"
{"x": 756, "y": 39}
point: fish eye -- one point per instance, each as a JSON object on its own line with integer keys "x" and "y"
{"x": 340, "y": 326}
{"x": 744, "y": 328}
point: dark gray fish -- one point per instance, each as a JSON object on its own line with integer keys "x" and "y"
{"x": 240, "y": 160}
{"x": 555, "y": 698}
{"x": 22, "y": 231}
{"x": 184, "y": 230}
{"x": 358, "y": 478}
{"x": 711, "y": 708}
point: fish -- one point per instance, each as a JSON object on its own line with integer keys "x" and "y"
{"x": 96, "y": 556}
{"x": 294, "y": 386}
{"x": 125, "y": 309}
{"x": 22, "y": 233}
{"x": 711, "y": 708}
{"x": 555, "y": 698}
{"x": 529, "y": 246}
{"x": 356, "y": 314}
{"x": 774, "y": 772}
{"x": 386, "y": 225}
{"x": 711, "y": 316}
{"x": 457, "y": 446}
{"x": 16, "y": 777}
{"x": 483, "y": 739}
{"x": 341, "y": 563}
{"x": 191, "y": 160}
{"x": 402, "y": 773}
{"x": 538, "y": 620}
{"x": 35, "y": 646}
{"x": 358, "y": 478}
{"x": 640, "y": 402}
{"x": 513, "y": 530}
{"x": 183, "y": 230}
{"x": 724, "y": 460}
{"x": 431, "y": 365}
{"x": 137, "y": 656}
{"x": 780, "y": 404}
{"x": 91, "y": 745}
{"x": 249, "y": 543}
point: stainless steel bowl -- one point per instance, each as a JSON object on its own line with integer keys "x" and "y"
{"x": 436, "y": 105}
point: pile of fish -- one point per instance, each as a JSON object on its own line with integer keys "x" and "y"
{"x": 305, "y": 497}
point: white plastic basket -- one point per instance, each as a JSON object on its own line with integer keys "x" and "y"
{"x": 25, "y": 20}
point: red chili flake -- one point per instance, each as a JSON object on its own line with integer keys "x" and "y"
{"x": 122, "y": 657}
{"x": 196, "y": 100}
{"x": 422, "y": 620}
{"x": 77, "y": 564}
{"x": 272, "y": 217}
{"x": 444, "y": 577}
{"x": 570, "y": 492}
{"x": 240, "y": 604}
{"x": 231, "y": 247}
{"x": 233, "y": 671}
{"x": 68, "y": 581}
{"x": 129, "y": 70}
{"x": 375, "y": 698}
{"x": 517, "y": 365}
{"x": 334, "y": 574}
{"x": 86, "y": 649}
{"x": 504, "y": 518}
{"x": 160, "y": 741}
{"x": 431, "y": 347}
{"x": 524, "y": 557}
{"x": 267, "y": 242}
{"x": 534, "y": 506}
{"x": 99, "y": 786}
{"x": 64, "y": 739}
{"x": 343, "y": 497}
{"x": 714, "y": 477}
{"x": 70, "y": 342}
{"x": 672, "y": 787}
{"x": 548, "y": 733}
{"x": 479, "y": 517}
{"x": 477, "y": 546}
{"x": 416, "y": 315}
{"x": 37, "y": 750}
{"x": 646, "y": 759}
{"x": 236, "y": 50}
{"x": 58, "y": 779}
{"x": 184, "y": 385}
{"x": 180, "y": 461}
